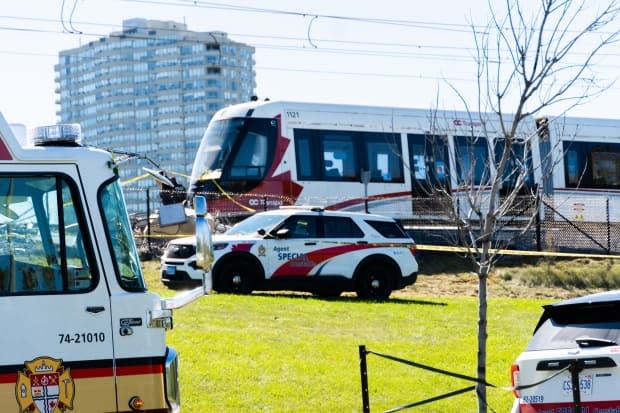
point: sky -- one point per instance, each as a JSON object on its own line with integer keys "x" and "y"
{"x": 399, "y": 53}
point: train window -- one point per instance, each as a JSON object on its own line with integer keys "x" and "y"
{"x": 305, "y": 166}
{"x": 329, "y": 155}
{"x": 384, "y": 157}
{"x": 592, "y": 165}
{"x": 519, "y": 163}
{"x": 339, "y": 157}
{"x": 251, "y": 159}
{"x": 429, "y": 162}
{"x": 472, "y": 159}
{"x": 605, "y": 168}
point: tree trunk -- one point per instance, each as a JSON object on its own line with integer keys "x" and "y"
{"x": 481, "y": 390}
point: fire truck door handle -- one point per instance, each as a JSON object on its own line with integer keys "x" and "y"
{"x": 95, "y": 309}
{"x": 309, "y": 243}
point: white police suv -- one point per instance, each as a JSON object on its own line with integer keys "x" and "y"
{"x": 178, "y": 264}
{"x": 571, "y": 363}
{"x": 311, "y": 249}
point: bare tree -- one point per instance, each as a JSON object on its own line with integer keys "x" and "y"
{"x": 530, "y": 60}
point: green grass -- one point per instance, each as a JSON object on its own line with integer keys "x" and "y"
{"x": 297, "y": 353}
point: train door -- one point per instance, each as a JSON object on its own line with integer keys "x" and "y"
{"x": 517, "y": 179}
{"x": 430, "y": 172}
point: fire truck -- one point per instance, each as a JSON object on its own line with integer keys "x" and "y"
{"x": 81, "y": 331}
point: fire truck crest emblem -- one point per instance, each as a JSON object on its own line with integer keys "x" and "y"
{"x": 44, "y": 386}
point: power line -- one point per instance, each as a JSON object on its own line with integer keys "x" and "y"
{"x": 464, "y": 49}
{"x": 412, "y": 51}
{"x": 248, "y": 9}
{"x": 448, "y": 57}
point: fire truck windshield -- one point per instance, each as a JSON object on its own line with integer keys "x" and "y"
{"x": 120, "y": 238}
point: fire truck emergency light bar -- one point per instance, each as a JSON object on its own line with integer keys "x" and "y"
{"x": 70, "y": 133}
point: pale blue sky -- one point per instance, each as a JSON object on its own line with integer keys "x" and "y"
{"x": 308, "y": 58}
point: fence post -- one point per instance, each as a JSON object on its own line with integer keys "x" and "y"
{"x": 364, "y": 377}
{"x": 148, "y": 218}
{"x": 537, "y": 209}
{"x": 608, "y": 226}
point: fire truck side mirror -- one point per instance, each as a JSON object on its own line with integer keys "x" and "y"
{"x": 204, "y": 248}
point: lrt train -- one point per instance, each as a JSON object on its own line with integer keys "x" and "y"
{"x": 264, "y": 154}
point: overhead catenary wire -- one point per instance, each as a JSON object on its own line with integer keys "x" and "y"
{"x": 464, "y": 52}
{"x": 422, "y": 56}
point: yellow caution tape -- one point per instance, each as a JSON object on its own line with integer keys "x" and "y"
{"x": 227, "y": 195}
{"x": 163, "y": 235}
{"x": 134, "y": 179}
{"x": 445, "y": 248}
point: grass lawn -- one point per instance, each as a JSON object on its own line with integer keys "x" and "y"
{"x": 297, "y": 353}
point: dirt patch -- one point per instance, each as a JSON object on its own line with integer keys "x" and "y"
{"x": 446, "y": 274}
{"x": 466, "y": 285}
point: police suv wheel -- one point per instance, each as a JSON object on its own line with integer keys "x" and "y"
{"x": 236, "y": 277}
{"x": 374, "y": 282}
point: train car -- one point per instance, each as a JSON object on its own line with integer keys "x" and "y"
{"x": 394, "y": 161}
{"x": 582, "y": 160}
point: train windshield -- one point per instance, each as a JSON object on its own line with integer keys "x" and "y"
{"x": 236, "y": 149}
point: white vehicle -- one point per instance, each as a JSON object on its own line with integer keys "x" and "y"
{"x": 310, "y": 249}
{"x": 178, "y": 264}
{"x": 572, "y": 362}
{"x": 263, "y": 154}
{"x": 81, "y": 331}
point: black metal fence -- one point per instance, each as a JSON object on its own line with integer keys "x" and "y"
{"x": 572, "y": 366}
{"x": 363, "y": 352}
{"x": 586, "y": 223}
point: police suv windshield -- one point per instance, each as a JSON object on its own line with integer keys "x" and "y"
{"x": 259, "y": 221}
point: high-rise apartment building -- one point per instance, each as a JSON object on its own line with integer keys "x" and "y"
{"x": 152, "y": 89}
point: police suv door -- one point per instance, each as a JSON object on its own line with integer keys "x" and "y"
{"x": 289, "y": 254}
{"x": 57, "y": 350}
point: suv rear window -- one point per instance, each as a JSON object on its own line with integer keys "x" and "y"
{"x": 560, "y": 326}
{"x": 388, "y": 229}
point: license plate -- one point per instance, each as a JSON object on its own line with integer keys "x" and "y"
{"x": 171, "y": 270}
{"x": 586, "y": 382}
